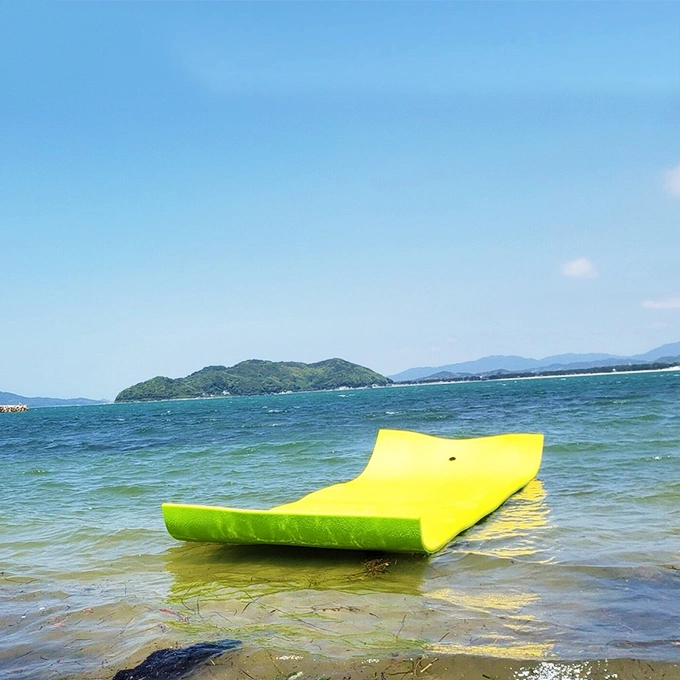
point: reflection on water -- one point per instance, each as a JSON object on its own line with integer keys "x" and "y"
{"x": 519, "y": 530}
{"x": 500, "y": 603}
{"x": 345, "y": 601}
{"x": 500, "y": 616}
{"x": 215, "y": 571}
{"x": 292, "y": 598}
{"x": 501, "y": 646}
{"x": 516, "y": 632}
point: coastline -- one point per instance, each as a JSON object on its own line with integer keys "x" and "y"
{"x": 547, "y": 376}
{"x": 263, "y": 664}
{"x": 393, "y": 385}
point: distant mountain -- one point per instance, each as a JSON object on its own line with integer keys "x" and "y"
{"x": 9, "y": 398}
{"x": 255, "y": 377}
{"x": 517, "y": 364}
{"x": 663, "y": 352}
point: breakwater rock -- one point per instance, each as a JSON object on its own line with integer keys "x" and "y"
{"x": 12, "y": 408}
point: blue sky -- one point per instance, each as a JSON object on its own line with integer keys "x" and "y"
{"x": 395, "y": 183}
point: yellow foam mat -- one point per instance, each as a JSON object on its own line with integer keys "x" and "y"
{"x": 416, "y": 494}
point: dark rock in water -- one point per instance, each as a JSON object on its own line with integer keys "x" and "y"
{"x": 173, "y": 664}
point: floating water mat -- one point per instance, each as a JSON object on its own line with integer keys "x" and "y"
{"x": 416, "y": 494}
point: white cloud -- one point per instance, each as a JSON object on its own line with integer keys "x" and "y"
{"x": 581, "y": 268}
{"x": 663, "y": 303}
{"x": 672, "y": 181}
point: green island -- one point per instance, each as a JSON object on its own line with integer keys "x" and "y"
{"x": 254, "y": 377}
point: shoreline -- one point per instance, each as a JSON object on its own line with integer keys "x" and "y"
{"x": 669, "y": 369}
{"x": 263, "y": 664}
{"x": 548, "y": 376}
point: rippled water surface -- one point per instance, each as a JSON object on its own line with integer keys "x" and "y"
{"x": 582, "y": 564}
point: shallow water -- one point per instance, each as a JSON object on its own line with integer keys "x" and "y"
{"x": 582, "y": 564}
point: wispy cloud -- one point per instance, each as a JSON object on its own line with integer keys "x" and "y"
{"x": 672, "y": 181}
{"x": 581, "y": 268}
{"x": 662, "y": 303}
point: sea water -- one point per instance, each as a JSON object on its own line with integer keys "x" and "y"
{"x": 584, "y": 563}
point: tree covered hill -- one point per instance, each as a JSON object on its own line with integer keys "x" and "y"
{"x": 256, "y": 377}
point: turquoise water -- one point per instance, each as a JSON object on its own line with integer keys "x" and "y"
{"x": 583, "y": 564}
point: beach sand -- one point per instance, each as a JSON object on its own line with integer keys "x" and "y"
{"x": 260, "y": 664}
{"x": 263, "y": 665}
